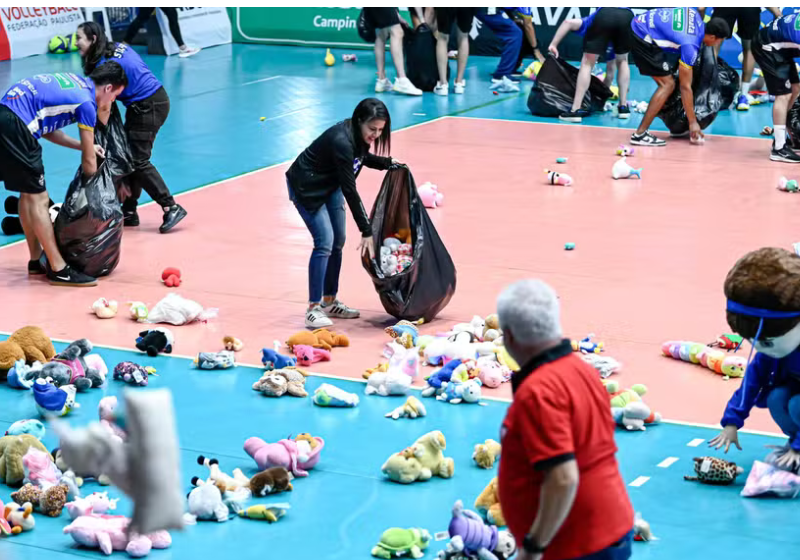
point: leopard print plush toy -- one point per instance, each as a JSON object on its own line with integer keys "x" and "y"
{"x": 711, "y": 470}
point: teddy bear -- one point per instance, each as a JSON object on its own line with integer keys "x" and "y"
{"x": 28, "y": 343}
{"x": 456, "y": 392}
{"x": 428, "y": 450}
{"x": 273, "y": 480}
{"x": 12, "y": 450}
{"x": 78, "y": 372}
{"x": 404, "y": 468}
{"x": 232, "y": 344}
{"x": 50, "y": 501}
{"x": 412, "y": 408}
{"x": 278, "y": 382}
{"x": 320, "y": 338}
{"x": 486, "y": 453}
{"x": 308, "y": 355}
{"x": 154, "y": 341}
{"x": 488, "y": 504}
{"x": 205, "y": 503}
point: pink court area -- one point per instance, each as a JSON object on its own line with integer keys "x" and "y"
{"x": 648, "y": 266}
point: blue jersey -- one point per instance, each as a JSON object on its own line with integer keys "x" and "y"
{"x": 48, "y": 102}
{"x": 672, "y": 29}
{"x": 141, "y": 81}
{"x": 783, "y": 33}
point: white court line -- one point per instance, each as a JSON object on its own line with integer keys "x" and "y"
{"x": 261, "y": 80}
{"x": 668, "y": 462}
{"x": 695, "y": 442}
{"x": 639, "y": 481}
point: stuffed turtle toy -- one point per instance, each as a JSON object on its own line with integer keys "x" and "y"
{"x": 397, "y": 542}
{"x": 712, "y": 470}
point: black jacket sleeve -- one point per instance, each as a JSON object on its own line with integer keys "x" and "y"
{"x": 377, "y": 162}
{"x": 347, "y": 182}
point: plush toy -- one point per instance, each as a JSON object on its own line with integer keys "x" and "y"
{"x": 320, "y": 338}
{"x": 728, "y": 342}
{"x": 641, "y": 529}
{"x": 429, "y": 451}
{"x": 623, "y": 170}
{"x": 39, "y": 468}
{"x": 768, "y": 480}
{"x": 132, "y": 373}
{"x": 31, "y": 427}
{"x": 52, "y": 400}
{"x": 205, "y": 503}
{"x": 627, "y": 406}
{"x": 712, "y": 470}
{"x": 107, "y": 413}
{"x": 22, "y": 375}
{"x": 272, "y": 480}
{"x": 438, "y": 378}
{"x": 215, "y": 360}
{"x": 412, "y": 408}
{"x": 491, "y": 330}
{"x": 278, "y": 382}
{"x": 50, "y": 501}
{"x": 175, "y": 309}
{"x": 405, "y": 327}
{"x": 81, "y": 375}
{"x": 330, "y": 395}
{"x": 332, "y": 339}
{"x": 216, "y": 476}
{"x": 469, "y": 535}
{"x": 12, "y": 225}
{"x": 555, "y": 178}
{"x": 605, "y": 365}
{"x": 111, "y": 532}
{"x": 306, "y": 444}
{"x": 96, "y": 502}
{"x": 456, "y": 392}
{"x": 488, "y": 504}
{"x": 273, "y": 360}
{"x": 586, "y": 346}
{"x": 12, "y": 450}
{"x": 404, "y": 468}
{"x": 397, "y": 379}
{"x": 430, "y": 195}
{"x": 155, "y": 341}
{"x": 28, "y": 343}
{"x": 708, "y": 356}
{"x": 308, "y": 355}
{"x": 138, "y": 311}
{"x": 171, "y": 277}
{"x": 397, "y": 542}
{"x": 231, "y": 343}
{"x": 105, "y": 309}
{"x": 19, "y": 517}
{"x": 382, "y": 368}
{"x": 285, "y": 453}
{"x": 266, "y": 512}
{"x": 486, "y": 453}
{"x": 491, "y": 373}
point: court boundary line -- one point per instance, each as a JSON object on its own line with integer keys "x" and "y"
{"x": 364, "y": 381}
{"x": 242, "y": 175}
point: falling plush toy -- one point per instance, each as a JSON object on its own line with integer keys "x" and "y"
{"x": 556, "y": 178}
{"x": 155, "y": 341}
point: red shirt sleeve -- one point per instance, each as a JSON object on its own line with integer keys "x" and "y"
{"x": 544, "y": 422}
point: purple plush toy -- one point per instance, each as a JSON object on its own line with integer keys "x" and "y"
{"x": 471, "y": 537}
{"x": 132, "y": 373}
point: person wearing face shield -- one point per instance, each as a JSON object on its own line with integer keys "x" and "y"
{"x": 763, "y": 293}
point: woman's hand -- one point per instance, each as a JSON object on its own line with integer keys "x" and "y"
{"x": 728, "y": 436}
{"x": 99, "y": 151}
{"x": 553, "y": 50}
{"x": 367, "y": 245}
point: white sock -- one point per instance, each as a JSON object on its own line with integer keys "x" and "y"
{"x": 780, "y": 136}
{"x": 745, "y": 87}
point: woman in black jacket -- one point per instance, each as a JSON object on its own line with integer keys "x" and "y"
{"x": 320, "y": 180}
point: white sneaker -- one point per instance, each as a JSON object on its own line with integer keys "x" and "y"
{"x": 404, "y": 85}
{"x": 188, "y": 51}
{"x": 383, "y": 85}
{"x": 317, "y": 319}
{"x": 441, "y": 89}
{"x": 458, "y": 87}
{"x": 340, "y": 311}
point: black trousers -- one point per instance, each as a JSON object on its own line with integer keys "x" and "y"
{"x": 143, "y": 120}
{"x": 145, "y": 13}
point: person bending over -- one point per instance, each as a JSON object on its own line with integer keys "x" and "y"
{"x": 764, "y": 307}
{"x": 147, "y": 106}
{"x": 40, "y": 107}
{"x": 604, "y": 26}
{"x": 659, "y": 35}
{"x": 319, "y": 181}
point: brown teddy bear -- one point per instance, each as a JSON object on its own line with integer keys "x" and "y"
{"x": 28, "y": 343}
{"x": 50, "y": 502}
{"x": 278, "y": 382}
{"x": 320, "y": 338}
{"x": 486, "y": 453}
{"x": 12, "y": 450}
{"x": 488, "y": 504}
{"x": 271, "y": 481}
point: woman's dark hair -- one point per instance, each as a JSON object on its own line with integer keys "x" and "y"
{"x": 109, "y": 73}
{"x": 370, "y": 109}
{"x": 99, "y": 48}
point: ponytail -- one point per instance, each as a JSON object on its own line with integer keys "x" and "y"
{"x": 100, "y": 46}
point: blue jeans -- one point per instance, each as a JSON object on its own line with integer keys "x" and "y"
{"x": 784, "y": 406}
{"x": 511, "y": 36}
{"x": 328, "y": 227}
{"x": 620, "y": 550}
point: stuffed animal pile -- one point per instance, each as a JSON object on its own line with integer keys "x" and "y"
{"x": 628, "y": 408}
{"x": 709, "y": 356}
{"x": 395, "y": 255}
{"x": 308, "y": 347}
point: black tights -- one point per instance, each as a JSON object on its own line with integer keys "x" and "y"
{"x": 145, "y": 13}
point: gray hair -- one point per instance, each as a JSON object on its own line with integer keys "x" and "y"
{"x": 530, "y": 310}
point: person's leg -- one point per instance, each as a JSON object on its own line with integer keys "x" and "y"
{"x": 464, "y": 19}
{"x": 396, "y": 48}
{"x": 34, "y": 214}
{"x": 338, "y": 219}
{"x": 623, "y": 79}
{"x": 175, "y": 30}
{"x": 382, "y": 84}
{"x": 581, "y": 87}
{"x": 778, "y": 405}
{"x": 666, "y": 85}
{"x": 652, "y": 62}
{"x": 141, "y": 18}
{"x": 442, "y": 85}
{"x": 510, "y": 36}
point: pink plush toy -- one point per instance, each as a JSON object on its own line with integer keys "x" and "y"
{"x": 108, "y": 533}
{"x": 97, "y": 502}
{"x": 430, "y": 195}
{"x": 106, "y": 410}
{"x": 491, "y": 374}
{"x": 40, "y": 470}
{"x": 556, "y": 178}
{"x": 284, "y": 453}
{"x": 307, "y": 355}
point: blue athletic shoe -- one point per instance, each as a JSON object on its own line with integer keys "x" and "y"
{"x": 742, "y": 104}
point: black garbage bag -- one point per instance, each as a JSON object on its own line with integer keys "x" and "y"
{"x": 365, "y": 29}
{"x": 419, "y": 49}
{"x": 707, "y": 96}
{"x": 728, "y": 83}
{"x": 423, "y": 289}
{"x": 554, "y": 89}
{"x": 793, "y": 122}
{"x": 88, "y": 228}
{"x": 118, "y": 152}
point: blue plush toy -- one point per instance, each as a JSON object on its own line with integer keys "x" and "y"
{"x": 456, "y": 392}
{"x": 22, "y": 376}
{"x": 272, "y": 360}
{"x": 436, "y": 379}
{"x": 32, "y": 427}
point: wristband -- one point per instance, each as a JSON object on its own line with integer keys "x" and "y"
{"x": 530, "y": 545}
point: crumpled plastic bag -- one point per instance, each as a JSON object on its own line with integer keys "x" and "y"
{"x": 177, "y": 310}
{"x": 767, "y": 479}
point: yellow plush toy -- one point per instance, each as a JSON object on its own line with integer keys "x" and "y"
{"x": 486, "y": 453}
{"x": 488, "y": 505}
{"x": 412, "y": 408}
{"x": 12, "y": 450}
{"x": 505, "y": 359}
{"x": 267, "y": 512}
{"x": 429, "y": 451}
{"x": 404, "y": 468}
{"x": 491, "y": 331}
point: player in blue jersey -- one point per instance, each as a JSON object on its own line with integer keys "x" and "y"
{"x": 774, "y": 48}
{"x": 147, "y": 106}
{"x": 40, "y": 107}
{"x": 599, "y": 29}
{"x": 664, "y": 38}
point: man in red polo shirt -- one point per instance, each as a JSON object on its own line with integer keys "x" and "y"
{"x": 559, "y": 483}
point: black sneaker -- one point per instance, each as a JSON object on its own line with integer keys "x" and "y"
{"x": 70, "y": 277}
{"x": 36, "y": 268}
{"x": 572, "y": 116}
{"x": 623, "y": 112}
{"x": 172, "y": 216}
{"x": 131, "y": 218}
{"x": 646, "y": 139}
{"x": 785, "y": 154}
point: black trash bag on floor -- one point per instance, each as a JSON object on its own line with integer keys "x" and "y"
{"x": 88, "y": 227}
{"x": 419, "y": 49}
{"x": 554, "y": 89}
{"x": 707, "y": 96}
{"x": 423, "y": 289}
{"x": 793, "y": 124}
{"x": 365, "y": 29}
{"x": 728, "y": 83}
